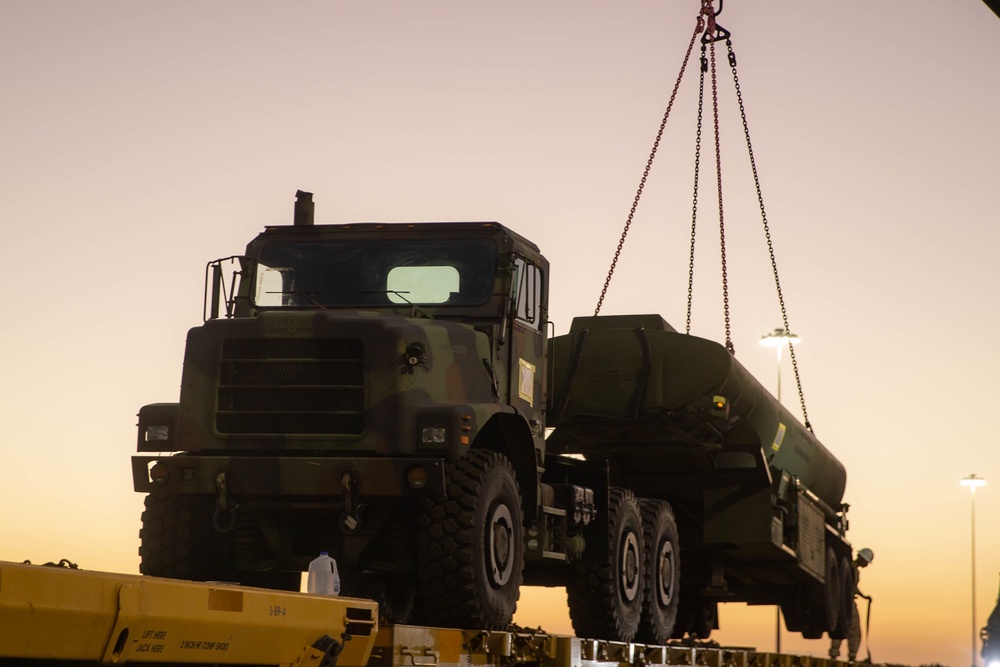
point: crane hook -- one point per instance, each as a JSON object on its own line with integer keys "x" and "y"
{"x": 713, "y": 31}
{"x": 706, "y": 5}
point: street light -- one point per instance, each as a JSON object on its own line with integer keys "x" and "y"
{"x": 973, "y": 482}
{"x": 779, "y": 339}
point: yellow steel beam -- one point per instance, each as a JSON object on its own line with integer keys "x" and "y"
{"x": 59, "y": 614}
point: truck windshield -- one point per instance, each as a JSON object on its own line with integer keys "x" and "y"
{"x": 375, "y": 273}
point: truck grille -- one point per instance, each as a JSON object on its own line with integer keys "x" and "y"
{"x": 290, "y": 386}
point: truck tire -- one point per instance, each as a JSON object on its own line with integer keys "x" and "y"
{"x": 395, "y": 593}
{"x": 605, "y": 596}
{"x": 843, "y": 627}
{"x": 804, "y": 615}
{"x": 706, "y": 619}
{"x": 177, "y": 541}
{"x": 832, "y": 593}
{"x": 470, "y": 548}
{"x": 792, "y": 615}
{"x": 696, "y": 616}
{"x": 661, "y": 572}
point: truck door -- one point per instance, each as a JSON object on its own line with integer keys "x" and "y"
{"x": 527, "y": 336}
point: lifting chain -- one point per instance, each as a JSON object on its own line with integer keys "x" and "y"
{"x": 694, "y": 198}
{"x": 713, "y": 32}
{"x": 699, "y": 27}
{"x": 767, "y": 233}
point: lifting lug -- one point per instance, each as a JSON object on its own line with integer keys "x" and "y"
{"x": 224, "y": 519}
{"x": 350, "y": 520}
{"x": 720, "y": 35}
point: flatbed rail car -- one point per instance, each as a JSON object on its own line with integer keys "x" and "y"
{"x": 58, "y": 616}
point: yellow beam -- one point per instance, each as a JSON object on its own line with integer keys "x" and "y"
{"x": 59, "y": 614}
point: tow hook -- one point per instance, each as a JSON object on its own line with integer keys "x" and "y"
{"x": 224, "y": 519}
{"x": 350, "y": 520}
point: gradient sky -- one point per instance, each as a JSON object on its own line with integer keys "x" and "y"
{"x": 140, "y": 140}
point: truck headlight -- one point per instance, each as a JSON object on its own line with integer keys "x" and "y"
{"x": 433, "y": 435}
{"x": 157, "y": 433}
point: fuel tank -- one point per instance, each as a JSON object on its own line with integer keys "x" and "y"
{"x": 667, "y": 405}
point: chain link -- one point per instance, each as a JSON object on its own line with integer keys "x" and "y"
{"x": 767, "y": 233}
{"x": 699, "y": 27}
{"x": 718, "y": 177}
{"x": 694, "y": 196}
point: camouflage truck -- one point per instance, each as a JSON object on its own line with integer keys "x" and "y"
{"x": 383, "y": 392}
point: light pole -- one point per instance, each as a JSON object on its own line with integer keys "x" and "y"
{"x": 778, "y": 339}
{"x": 973, "y": 483}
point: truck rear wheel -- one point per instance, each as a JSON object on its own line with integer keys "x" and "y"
{"x": 605, "y": 595}
{"x": 661, "y": 574}
{"x": 471, "y": 545}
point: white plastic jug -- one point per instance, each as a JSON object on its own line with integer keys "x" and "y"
{"x": 323, "y": 576}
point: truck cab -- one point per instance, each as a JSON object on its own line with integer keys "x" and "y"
{"x": 340, "y": 375}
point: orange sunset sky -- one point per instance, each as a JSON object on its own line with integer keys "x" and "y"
{"x": 139, "y": 140}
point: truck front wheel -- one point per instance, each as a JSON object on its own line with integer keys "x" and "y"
{"x": 177, "y": 540}
{"x": 605, "y": 595}
{"x": 471, "y": 545}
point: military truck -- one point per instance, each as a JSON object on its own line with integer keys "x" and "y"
{"x": 387, "y": 392}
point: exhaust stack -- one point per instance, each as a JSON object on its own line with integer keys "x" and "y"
{"x": 304, "y": 208}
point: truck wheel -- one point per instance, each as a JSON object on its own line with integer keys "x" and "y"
{"x": 470, "y": 548}
{"x": 177, "y": 540}
{"x": 812, "y": 626}
{"x": 706, "y": 619}
{"x": 846, "y": 599}
{"x": 661, "y": 572}
{"x": 395, "y": 594}
{"x": 605, "y": 598}
{"x": 695, "y": 616}
{"x": 792, "y": 615}
{"x": 832, "y": 593}
{"x": 804, "y": 615}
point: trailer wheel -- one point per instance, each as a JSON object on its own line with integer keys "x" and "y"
{"x": 804, "y": 615}
{"x": 471, "y": 545}
{"x": 792, "y": 615}
{"x": 812, "y": 626}
{"x": 605, "y": 595}
{"x": 832, "y": 593}
{"x": 661, "y": 572}
{"x": 177, "y": 541}
{"x": 846, "y": 599}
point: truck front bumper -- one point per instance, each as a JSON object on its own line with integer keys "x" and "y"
{"x": 289, "y": 477}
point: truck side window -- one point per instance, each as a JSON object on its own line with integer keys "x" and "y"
{"x": 527, "y": 292}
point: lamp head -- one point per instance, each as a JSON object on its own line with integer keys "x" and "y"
{"x": 972, "y": 482}
{"x": 779, "y": 338}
